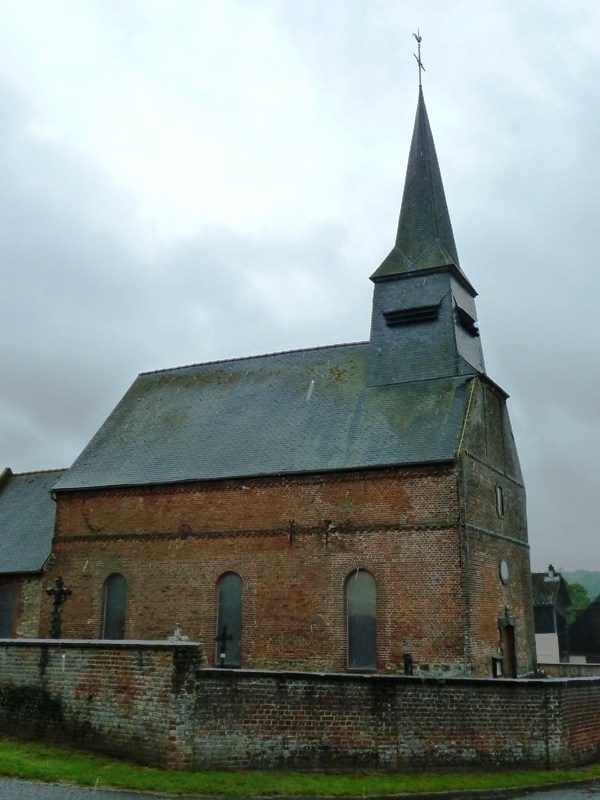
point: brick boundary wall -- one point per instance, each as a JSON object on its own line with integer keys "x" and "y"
{"x": 155, "y": 703}
{"x": 130, "y": 699}
{"x": 568, "y": 670}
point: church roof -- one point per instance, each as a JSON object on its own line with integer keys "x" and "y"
{"x": 304, "y": 411}
{"x": 424, "y": 240}
{"x": 27, "y": 513}
{"x": 344, "y": 407}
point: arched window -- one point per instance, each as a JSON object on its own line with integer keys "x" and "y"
{"x": 361, "y": 620}
{"x": 229, "y": 621}
{"x": 7, "y": 610}
{"x": 115, "y": 602}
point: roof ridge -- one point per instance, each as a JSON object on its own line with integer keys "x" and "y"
{"x": 39, "y": 471}
{"x": 254, "y": 357}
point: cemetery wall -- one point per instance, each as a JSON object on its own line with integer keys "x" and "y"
{"x": 156, "y": 703}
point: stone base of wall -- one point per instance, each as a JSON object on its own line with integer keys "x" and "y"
{"x": 155, "y": 703}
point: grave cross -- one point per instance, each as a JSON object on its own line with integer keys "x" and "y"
{"x": 60, "y": 593}
{"x": 222, "y": 639}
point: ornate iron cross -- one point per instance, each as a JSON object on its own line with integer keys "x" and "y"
{"x": 60, "y": 593}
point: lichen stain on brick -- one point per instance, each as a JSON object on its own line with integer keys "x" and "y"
{"x": 31, "y": 709}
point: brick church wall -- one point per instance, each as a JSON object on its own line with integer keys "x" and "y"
{"x": 293, "y": 541}
{"x": 494, "y": 530}
{"x": 22, "y": 596}
{"x": 30, "y": 600}
{"x": 153, "y": 702}
{"x": 433, "y": 548}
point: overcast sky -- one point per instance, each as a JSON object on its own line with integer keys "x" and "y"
{"x": 192, "y": 180}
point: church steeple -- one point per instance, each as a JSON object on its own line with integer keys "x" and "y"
{"x": 424, "y": 323}
{"x": 424, "y": 240}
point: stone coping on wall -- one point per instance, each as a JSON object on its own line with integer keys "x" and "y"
{"x": 566, "y": 669}
{"x": 170, "y": 644}
{"x": 152, "y": 644}
{"x": 396, "y": 678}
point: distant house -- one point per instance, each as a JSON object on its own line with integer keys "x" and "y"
{"x": 551, "y": 603}
{"x": 584, "y": 634}
{"x": 27, "y": 513}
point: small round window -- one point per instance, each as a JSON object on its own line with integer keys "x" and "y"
{"x": 504, "y": 570}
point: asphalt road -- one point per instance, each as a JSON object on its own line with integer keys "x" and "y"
{"x": 28, "y": 790}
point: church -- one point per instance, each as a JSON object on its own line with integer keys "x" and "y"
{"x": 356, "y": 507}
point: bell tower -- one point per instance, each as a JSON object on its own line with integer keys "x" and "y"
{"x": 424, "y": 321}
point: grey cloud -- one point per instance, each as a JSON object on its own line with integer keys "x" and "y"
{"x": 84, "y": 310}
{"x": 89, "y": 298}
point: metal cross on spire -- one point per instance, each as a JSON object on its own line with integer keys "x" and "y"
{"x": 419, "y": 38}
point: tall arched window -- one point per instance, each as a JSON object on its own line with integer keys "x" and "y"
{"x": 7, "y": 610}
{"x": 361, "y": 620}
{"x": 115, "y": 602}
{"x": 229, "y": 621}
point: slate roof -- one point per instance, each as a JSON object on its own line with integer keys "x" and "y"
{"x": 304, "y": 411}
{"x": 344, "y": 407}
{"x": 547, "y": 588}
{"x": 27, "y": 513}
{"x": 424, "y": 240}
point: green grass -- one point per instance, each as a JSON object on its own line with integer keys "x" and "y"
{"x": 33, "y": 761}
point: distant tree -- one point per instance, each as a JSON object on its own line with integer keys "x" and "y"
{"x": 588, "y": 578}
{"x": 580, "y": 599}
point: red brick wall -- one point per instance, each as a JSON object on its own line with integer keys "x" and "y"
{"x": 348, "y": 501}
{"x": 390, "y": 723}
{"x": 153, "y": 702}
{"x": 489, "y": 459}
{"x": 293, "y": 542}
{"x": 134, "y": 700}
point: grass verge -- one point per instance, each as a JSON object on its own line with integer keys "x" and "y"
{"x": 33, "y": 761}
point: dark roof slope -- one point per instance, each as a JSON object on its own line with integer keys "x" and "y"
{"x": 295, "y": 412}
{"x": 27, "y": 513}
{"x": 548, "y": 588}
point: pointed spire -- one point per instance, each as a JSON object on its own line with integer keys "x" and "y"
{"x": 424, "y": 240}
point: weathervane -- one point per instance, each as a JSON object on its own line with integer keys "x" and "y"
{"x": 418, "y": 37}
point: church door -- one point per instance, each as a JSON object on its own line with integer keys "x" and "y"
{"x": 509, "y": 661}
